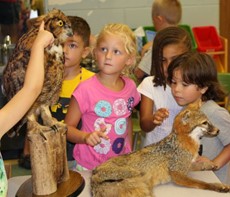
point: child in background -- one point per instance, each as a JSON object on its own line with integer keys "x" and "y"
{"x": 105, "y": 101}
{"x": 165, "y": 13}
{"x": 75, "y": 49}
{"x": 193, "y": 76}
{"x": 17, "y": 107}
{"x": 158, "y": 107}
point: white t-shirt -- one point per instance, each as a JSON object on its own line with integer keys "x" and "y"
{"x": 145, "y": 63}
{"x": 162, "y": 99}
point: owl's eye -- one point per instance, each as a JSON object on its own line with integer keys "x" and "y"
{"x": 60, "y": 23}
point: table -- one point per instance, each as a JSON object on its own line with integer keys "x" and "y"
{"x": 72, "y": 187}
{"x": 166, "y": 190}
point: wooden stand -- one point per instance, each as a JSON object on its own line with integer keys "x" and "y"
{"x": 48, "y": 158}
{"x": 71, "y": 188}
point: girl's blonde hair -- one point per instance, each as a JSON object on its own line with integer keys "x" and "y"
{"x": 128, "y": 37}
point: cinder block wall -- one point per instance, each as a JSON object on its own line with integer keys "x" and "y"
{"x": 135, "y": 13}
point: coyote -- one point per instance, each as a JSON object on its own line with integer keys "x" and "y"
{"x": 135, "y": 174}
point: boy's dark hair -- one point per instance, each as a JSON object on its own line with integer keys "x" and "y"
{"x": 200, "y": 69}
{"x": 81, "y": 28}
{"x": 165, "y": 37}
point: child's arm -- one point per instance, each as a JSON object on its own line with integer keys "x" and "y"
{"x": 146, "y": 47}
{"x": 75, "y": 135}
{"x": 16, "y": 108}
{"x": 223, "y": 157}
{"x": 148, "y": 119}
{"x": 130, "y": 131}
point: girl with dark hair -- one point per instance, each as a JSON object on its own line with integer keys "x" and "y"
{"x": 158, "y": 107}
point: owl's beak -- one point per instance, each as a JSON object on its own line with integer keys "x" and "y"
{"x": 69, "y": 30}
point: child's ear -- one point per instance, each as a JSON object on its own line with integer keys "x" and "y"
{"x": 158, "y": 20}
{"x": 203, "y": 90}
{"x": 86, "y": 52}
{"x": 131, "y": 60}
{"x": 93, "y": 51}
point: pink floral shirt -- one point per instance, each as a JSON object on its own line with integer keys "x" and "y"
{"x": 100, "y": 108}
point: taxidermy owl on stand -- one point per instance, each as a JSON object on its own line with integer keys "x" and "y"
{"x": 14, "y": 74}
{"x": 47, "y": 140}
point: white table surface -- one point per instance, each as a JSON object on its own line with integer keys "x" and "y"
{"x": 166, "y": 190}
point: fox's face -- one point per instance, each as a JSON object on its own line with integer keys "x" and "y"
{"x": 194, "y": 122}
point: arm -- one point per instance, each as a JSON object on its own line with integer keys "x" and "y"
{"x": 72, "y": 119}
{"x": 144, "y": 67}
{"x": 203, "y": 162}
{"x": 223, "y": 157}
{"x": 139, "y": 74}
{"x": 221, "y": 119}
{"x": 148, "y": 118}
{"x": 75, "y": 135}
{"x": 130, "y": 131}
{"x": 146, "y": 114}
{"x": 146, "y": 47}
{"x": 16, "y": 108}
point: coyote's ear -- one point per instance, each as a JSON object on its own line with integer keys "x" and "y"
{"x": 195, "y": 105}
{"x": 199, "y": 103}
{"x": 185, "y": 117}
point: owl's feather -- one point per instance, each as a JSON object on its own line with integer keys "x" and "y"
{"x": 14, "y": 74}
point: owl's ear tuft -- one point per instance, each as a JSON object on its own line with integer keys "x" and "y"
{"x": 35, "y": 22}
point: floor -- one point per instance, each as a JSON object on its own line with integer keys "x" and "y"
{"x": 15, "y": 169}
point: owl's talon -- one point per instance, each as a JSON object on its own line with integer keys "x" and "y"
{"x": 55, "y": 128}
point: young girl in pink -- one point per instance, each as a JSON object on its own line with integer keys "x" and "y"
{"x": 105, "y": 101}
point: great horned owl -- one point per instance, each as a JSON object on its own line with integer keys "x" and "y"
{"x": 14, "y": 74}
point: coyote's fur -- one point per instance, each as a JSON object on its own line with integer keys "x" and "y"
{"x": 135, "y": 174}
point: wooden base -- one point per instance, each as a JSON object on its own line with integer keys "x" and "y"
{"x": 70, "y": 188}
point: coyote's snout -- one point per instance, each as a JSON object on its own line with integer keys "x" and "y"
{"x": 135, "y": 174}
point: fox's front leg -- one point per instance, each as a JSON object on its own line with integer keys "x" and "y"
{"x": 200, "y": 166}
{"x": 184, "y": 180}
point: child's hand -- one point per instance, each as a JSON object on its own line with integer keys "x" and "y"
{"x": 204, "y": 163}
{"x": 94, "y": 138}
{"x": 44, "y": 37}
{"x": 160, "y": 115}
{"x": 202, "y": 159}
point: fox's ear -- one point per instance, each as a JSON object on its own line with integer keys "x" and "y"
{"x": 199, "y": 103}
{"x": 186, "y": 117}
{"x": 195, "y": 105}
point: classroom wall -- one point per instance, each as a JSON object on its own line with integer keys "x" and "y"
{"x": 135, "y": 13}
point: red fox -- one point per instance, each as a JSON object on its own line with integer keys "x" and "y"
{"x": 135, "y": 174}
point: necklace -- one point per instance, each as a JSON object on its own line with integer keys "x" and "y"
{"x": 80, "y": 73}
